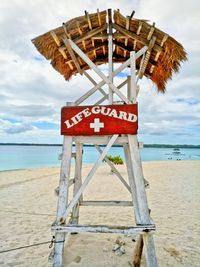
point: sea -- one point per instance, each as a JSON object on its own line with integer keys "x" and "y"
{"x": 14, "y": 157}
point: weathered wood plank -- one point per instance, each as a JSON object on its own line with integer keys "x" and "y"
{"x": 72, "y": 55}
{"x": 150, "y": 250}
{"x": 110, "y": 56}
{"x": 137, "y": 253}
{"x": 100, "y": 101}
{"x": 143, "y": 209}
{"x": 90, "y": 34}
{"x": 131, "y": 182}
{"x": 114, "y": 169}
{"x": 147, "y": 57}
{"x": 62, "y": 199}
{"x": 55, "y": 37}
{"x": 102, "y": 140}
{"x": 135, "y": 36}
{"x": 103, "y": 229}
{"x": 94, "y": 83}
{"x": 107, "y": 203}
{"x": 133, "y": 85}
{"x": 78, "y": 181}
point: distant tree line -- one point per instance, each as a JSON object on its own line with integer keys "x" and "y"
{"x": 145, "y": 145}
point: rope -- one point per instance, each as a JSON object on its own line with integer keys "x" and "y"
{"x": 33, "y": 245}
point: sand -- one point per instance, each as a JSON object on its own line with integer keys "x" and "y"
{"x": 28, "y": 206}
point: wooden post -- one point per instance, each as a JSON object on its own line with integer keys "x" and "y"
{"x": 78, "y": 182}
{"x": 137, "y": 254}
{"x": 150, "y": 250}
{"x": 131, "y": 182}
{"x": 110, "y": 54}
{"x": 62, "y": 199}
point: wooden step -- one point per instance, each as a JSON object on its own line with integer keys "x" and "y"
{"x": 107, "y": 203}
{"x": 103, "y": 229}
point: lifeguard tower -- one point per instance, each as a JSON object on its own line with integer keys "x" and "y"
{"x": 141, "y": 49}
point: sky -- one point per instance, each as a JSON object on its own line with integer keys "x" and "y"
{"x": 32, "y": 92}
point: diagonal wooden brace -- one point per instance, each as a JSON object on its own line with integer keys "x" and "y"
{"x": 112, "y": 166}
{"x": 89, "y": 177}
{"x": 97, "y": 70}
{"x": 115, "y": 72}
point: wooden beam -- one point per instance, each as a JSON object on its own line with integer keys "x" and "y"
{"x": 109, "y": 203}
{"x": 62, "y": 51}
{"x": 103, "y": 140}
{"x": 150, "y": 251}
{"x": 127, "y": 27}
{"x": 88, "y": 20}
{"x": 99, "y": 17}
{"x": 114, "y": 169}
{"x": 110, "y": 55}
{"x": 71, "y": 52}
{"x": 100, "y": 36}
{"x": 103, "y": 229}
{"x": 94, "y": 83}
{"x": 90, "y": 34}
{"x": 138, "y": 32}
{"x": 77, "y": 181}
{"x": 137, "y": 253}
{"x": 147, "y": 57}
{"x": 152, "y": 29}
{"x": 65, "y": 31}
{"x": 81, "y": 33}
{"x": 55, "y": 37}
{"x": 135, "y": 36}
{"x": 133, "y": 85}
{"x": 63, "y": 197}
{"x": 90, "y": 27}
{"x": 138, "y": 179}
{"x": 140, "y": 68}
{"x": 165, "y": 37}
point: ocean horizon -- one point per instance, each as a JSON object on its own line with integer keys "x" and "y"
{"x": 18, "y": 156}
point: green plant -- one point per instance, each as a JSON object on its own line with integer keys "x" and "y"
{"x": 117, "y": 160}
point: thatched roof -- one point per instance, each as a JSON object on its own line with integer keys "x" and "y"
{"x": 90, "y": 33}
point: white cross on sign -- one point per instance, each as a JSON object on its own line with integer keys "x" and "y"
{"x": 97, "y": 125}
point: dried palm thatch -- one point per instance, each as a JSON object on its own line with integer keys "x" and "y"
{"x": 90, "y": 33}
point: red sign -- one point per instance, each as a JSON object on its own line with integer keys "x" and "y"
{"x": 99, "y": 120}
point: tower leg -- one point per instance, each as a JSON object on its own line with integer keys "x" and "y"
{"x": 62, "y": 200}
{"x": 150, "y": 251}
{"x": 78, "y": 182}
{"x": 142, "y": 216}
{"x": 137, "y": 254}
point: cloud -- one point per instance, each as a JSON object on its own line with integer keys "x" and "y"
{"x": 32, "y": 92}
{"x": 9, "y": 127}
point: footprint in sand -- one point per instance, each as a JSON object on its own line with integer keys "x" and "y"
{"x": 174, "y": 253}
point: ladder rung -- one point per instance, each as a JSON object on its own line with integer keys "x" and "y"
{"x": 102, "y": 229}
{"x": 106, "y": 203}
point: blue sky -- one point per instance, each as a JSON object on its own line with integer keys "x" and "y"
{"x": 32, "y": 92}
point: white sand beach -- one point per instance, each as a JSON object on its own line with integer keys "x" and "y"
{"x": 28, "y": 206}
